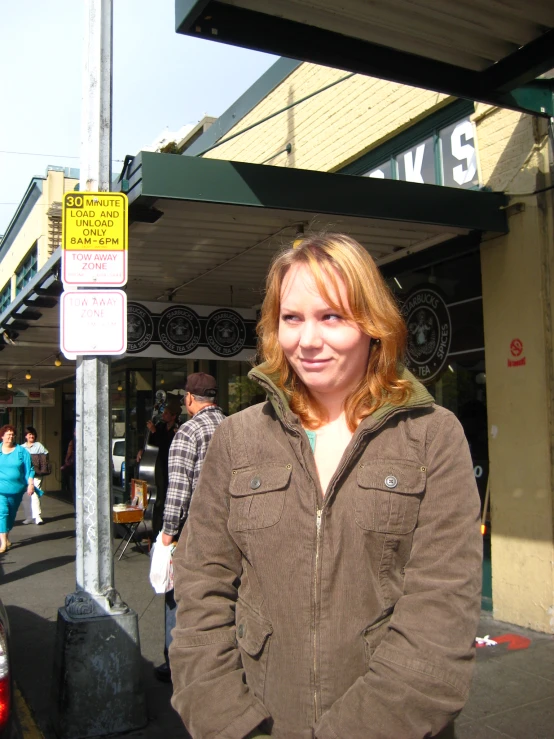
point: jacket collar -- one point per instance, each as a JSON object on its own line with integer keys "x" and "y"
{"x": 419, "y": 397}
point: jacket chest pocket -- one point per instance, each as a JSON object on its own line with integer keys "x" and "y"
{"x": 258, "y": 496}
{"x": 388, "y": 496}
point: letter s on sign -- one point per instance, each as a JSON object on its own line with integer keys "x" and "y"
{"x": 462, "y": 175}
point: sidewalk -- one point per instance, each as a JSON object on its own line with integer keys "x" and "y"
{"x": 512, "y": 694}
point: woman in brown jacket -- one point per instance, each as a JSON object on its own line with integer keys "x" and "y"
{"x": 329, "y": 582}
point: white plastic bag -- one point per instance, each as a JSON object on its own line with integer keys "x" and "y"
{"x": 161, "y": 566}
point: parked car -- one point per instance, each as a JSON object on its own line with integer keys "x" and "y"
{"x": 118, "y": 462}
{"x": 8, "y": 726}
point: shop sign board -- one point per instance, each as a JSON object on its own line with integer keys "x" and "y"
{"x": 193, "y": 331}
{"x": 25, "y": 398}
{"x": 451, "y": 151}
{"x": 94, "y": 239}
{"x": 93, "y": 322}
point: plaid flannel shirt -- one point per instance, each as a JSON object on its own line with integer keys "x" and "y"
{"x": 186, "y": 457}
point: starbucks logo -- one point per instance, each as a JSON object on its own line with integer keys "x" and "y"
{"x": 429, "y": 333}
{"x": 140, "y": 328}
{"x": 225, "y": 333}
{"x": 179, "y": 330}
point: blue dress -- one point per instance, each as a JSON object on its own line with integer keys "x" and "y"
{"x": 15, "y": 470}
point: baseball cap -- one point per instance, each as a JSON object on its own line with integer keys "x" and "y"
{"x": 173, "y": 405}
{"x": 199, "y": 383}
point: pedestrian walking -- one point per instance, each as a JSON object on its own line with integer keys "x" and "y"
{"x": 39, "y": 457}
{"x": 186, "y": 457}
{"x": 16, "y": 479}
{"x": 329, "y": 581}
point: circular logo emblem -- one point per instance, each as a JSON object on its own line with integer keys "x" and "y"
{"x": 140, "y": 328}
{"x": 225, "y": 332}
{"x": 391, "y": 481}
{"x": 179, "y": 330}
{"x": 429, "y": 333}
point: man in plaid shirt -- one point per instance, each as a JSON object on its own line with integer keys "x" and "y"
{"x": 186, "y": 456}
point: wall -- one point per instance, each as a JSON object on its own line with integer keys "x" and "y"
{"x": 332, "y": 128}
{"x": 517, "y": 301}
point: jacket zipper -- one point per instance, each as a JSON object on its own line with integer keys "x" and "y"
{"x": 317, "y": 541}
{"x": 319, "y": 514}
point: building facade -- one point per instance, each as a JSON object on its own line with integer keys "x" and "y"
{"x": 31, "y": 367}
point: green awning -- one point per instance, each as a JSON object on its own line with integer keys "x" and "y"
{"x": 474, "y": 49}
{"x": 205, "y": 230}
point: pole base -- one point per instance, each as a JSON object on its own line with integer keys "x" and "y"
{"x": 97, "y": 685}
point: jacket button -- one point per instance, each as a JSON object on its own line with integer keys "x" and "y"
{"x": 255, "y": 483}
{"x": 240, "y": 631}
{"x": 391, "y": 481}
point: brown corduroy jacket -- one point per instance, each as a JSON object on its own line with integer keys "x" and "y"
{"x": 349, "y": 616}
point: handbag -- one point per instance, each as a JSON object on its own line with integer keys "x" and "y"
{"x": 42, "y": 465}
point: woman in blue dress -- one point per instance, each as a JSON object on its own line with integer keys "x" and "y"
{"x": 16, "y": 478}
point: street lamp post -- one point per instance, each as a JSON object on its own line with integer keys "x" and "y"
{"x": 97, "y": 688}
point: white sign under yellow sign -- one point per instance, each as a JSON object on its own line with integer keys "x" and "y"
{"x": 93, "y": 322}
{"x": 94, "y": 239}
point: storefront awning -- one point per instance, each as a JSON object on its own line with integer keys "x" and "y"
{"x": 474, "y": 49}
{"x": 204, "y": 231}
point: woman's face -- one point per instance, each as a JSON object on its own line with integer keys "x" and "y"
{"x": 8, "y": 438}
{"x": 328, "y": 352}
{"x": 31, "y": 438}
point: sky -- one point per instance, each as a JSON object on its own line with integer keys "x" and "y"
{"x": 161, "y": 80}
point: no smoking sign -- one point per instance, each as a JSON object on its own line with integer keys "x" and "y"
{"x": 516, "y": 350}
{"x": 516, "y": 347}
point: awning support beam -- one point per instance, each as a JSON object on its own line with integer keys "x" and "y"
{"x": 218, "y": 21}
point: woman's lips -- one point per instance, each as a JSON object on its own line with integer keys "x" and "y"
{"x": 312, "y": 364}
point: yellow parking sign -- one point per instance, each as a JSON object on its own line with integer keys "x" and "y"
{"x": 94, "y": 238}
{"x": 94, "y": 220}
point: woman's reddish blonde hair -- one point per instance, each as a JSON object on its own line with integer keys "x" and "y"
{"x": 371, "y": 305}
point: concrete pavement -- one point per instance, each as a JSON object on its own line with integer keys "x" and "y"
{"x": 512, "y": 694}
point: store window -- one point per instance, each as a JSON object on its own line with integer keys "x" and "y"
{"x": 5, "y": 297}
{"x": 447, "y": 298}
{"x": 27, "y": 269}
{"x": 443, "y": 308}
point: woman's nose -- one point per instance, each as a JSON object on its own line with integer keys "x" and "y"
{"x": 310, "y": 336}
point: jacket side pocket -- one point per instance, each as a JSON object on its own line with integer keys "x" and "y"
{"x": 374, "y": 635}
{"x": 253, "y": 639}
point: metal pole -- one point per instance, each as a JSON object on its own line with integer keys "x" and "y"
{"x": 93, "y": 483}
{"x": 97, "y": 688}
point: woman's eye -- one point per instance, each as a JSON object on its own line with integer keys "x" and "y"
{"x": 332, "y": 317}
{"x": 288, "y": 318}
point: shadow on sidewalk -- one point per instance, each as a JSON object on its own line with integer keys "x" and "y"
{"x": 36, "y": 569}
{"x": 33, "y": 644}
{"x": 49, "y": 519}
{"x": 50, "y": 536}
{"x": 32, "y": 653}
